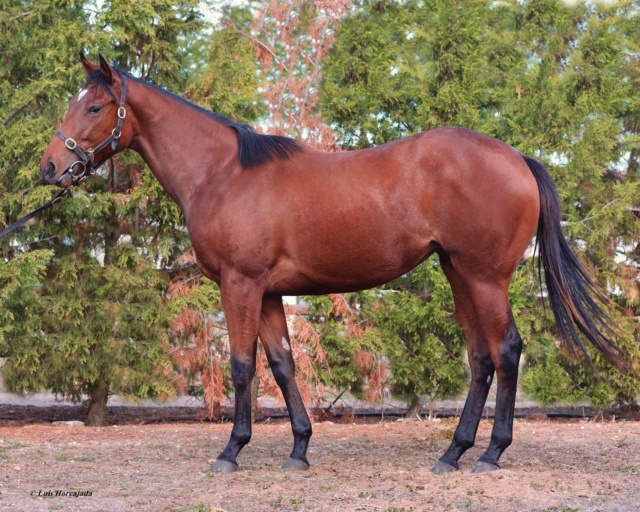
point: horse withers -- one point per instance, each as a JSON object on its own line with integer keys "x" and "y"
{"x": 269, "y": 216}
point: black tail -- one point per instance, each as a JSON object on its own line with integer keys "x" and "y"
{"x": 575, "y": 298}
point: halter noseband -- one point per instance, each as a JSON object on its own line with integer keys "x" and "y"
{"x": 87, "y": 156}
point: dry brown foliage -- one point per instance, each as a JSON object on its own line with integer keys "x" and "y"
{"x": 308, "y": 355}
{"x": 291, "y": 39}
{"x": 201, "y": 352}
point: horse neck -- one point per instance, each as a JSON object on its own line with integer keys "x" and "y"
{"x": 185, "y": 149}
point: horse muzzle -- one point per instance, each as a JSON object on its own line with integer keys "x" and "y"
{"x": 72, "y": 175}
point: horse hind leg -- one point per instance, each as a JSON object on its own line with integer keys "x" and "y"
{"x": 274, "y": 336}
{"x": 482, "y": 371}
{"x": 506, "y": 357}
{"x": 494, "y": 346}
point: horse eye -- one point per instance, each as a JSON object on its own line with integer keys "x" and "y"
{"x": 95, "y": 109}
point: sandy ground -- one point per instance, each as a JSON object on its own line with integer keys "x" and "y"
{"x": 579, "y": 466}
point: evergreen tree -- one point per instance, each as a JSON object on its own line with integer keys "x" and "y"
{"x": 420, "y": 337}
{"x": 97, "y": 290}
{"x": 95, "y": 322}
{"x": 573, "y": 114}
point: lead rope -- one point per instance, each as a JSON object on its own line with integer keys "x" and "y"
{"x": 65, "y": 192}
{"x": 56, "y": 199}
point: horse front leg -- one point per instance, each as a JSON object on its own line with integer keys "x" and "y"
{"x": 274, "y": 335}
{"x": 241, "y": 301}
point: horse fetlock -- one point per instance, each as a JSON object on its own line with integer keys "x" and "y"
{"x": 501, "y": 441}
{"x": 240, "y": 439}
{"x": 462, "y": 444}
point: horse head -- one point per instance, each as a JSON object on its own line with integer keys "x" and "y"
{"x": 93, "y": 129}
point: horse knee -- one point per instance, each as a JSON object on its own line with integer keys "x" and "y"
{"x": 482, "y": 368}
{"x": 242, "y": 372}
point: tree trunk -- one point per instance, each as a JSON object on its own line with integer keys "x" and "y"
{"x": 97, "y": 414}
{"x": 415, "y": 407}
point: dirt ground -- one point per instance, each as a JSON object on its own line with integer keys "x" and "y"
{"x": 565, "y": 466}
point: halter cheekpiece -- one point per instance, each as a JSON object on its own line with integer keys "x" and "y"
{"x": 86, "y": 156}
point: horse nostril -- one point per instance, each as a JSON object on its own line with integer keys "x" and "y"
{"x": 50, "y": 169}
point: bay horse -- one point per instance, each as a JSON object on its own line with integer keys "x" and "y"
{"x": 269, "y": 216}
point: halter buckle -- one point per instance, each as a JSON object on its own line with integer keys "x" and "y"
{"x": 122, "y": 112}
{"x": 71, "y": 144}
{"x": 116, "y": 133}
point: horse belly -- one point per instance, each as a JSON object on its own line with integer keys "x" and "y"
{"x": 349, "y": 261}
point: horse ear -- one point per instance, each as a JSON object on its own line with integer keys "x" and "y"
{"x": 89, "y": 67}
{"x": 106, "y": 69}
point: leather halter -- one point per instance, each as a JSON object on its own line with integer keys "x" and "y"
{"x": 86, "y": 156}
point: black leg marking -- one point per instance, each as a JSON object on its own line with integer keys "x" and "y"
{"x": 482, "y": 375}
{"x": 507, "y": 371}
{"x": 242, "y": 373}
{"x": 275, "y": 339}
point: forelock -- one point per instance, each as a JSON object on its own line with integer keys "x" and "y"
{"x": 97, "y": 79}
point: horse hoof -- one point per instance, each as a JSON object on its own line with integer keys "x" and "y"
{"x": 484, "y": 467}
{"x": 442, "y": 467}
{"x": 295, "y": 464}
{"x": 224, "y": 466}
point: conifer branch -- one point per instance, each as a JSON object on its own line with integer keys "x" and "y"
{"x": 14, "y": 113}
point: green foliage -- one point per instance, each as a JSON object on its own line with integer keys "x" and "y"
{"x": 20, "y": 282}
{"x": 95, "y": 324}
{"x": 400, "y": 67}
{"x": 338, "y": 345}
{"x": 147, "y": 37}
{"x": 91, "y": 290}
{"x": 420, "y": 336}
{"x": 407, "y": 326}
{"x": 228, "y": 81}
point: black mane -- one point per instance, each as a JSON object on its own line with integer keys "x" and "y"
{"x": 253, "y": 148}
